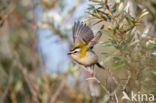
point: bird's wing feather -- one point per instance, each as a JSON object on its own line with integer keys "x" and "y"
{"x": 82, "y": 33}
{"x": 96, "y": 38}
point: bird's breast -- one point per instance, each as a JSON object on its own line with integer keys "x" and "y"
{"x": 89, "y": 59}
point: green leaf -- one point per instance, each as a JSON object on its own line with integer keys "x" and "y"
{"x": 114, "y": 25}
{"x": 123, "y": 45}
{"x": 130, "y": 34}
{"x": 105, "y": 32}
{"x": 98, "y": 22}
{"x": 106, "y": 45}
{"x": 114, "y": 10}
{"x": 91, "y": 7}
{"x": 109, "y": 18}
{"x": 128, "y": 16}
{"x": 96, "y": 1}
{"x": 106, "y": 54}
{"x": 116, "y": 58}
{"x": 113, "y": 42}
{"x": 117, "y": 66}
{"x": 18, "y": 86}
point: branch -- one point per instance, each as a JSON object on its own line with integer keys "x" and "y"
{"x": 35, "y": 42}
{"x": 25, "y": 73}
{"x": 116, "y": 98}
{"x": 110, "y": 94}
{"x": 129, "y": 77}
{"x": 59, "y": 90}
{"x": 98, "y": 81}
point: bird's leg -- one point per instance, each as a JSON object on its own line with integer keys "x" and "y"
{"x": 93, "y": 71}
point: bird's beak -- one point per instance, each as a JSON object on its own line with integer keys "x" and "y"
{"x": 69, "y": 53}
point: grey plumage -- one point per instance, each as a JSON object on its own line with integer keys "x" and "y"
{"x": 82, "y": 33}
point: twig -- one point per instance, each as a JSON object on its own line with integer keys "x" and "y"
{"x": 13, "y": 95}
{"x": 4, "y": 17}
{"x": 106, "y": 99}
{"x": 94, "y": 78}
{"x": 59, "y": 90}
{"x": 6, "y": 89}
{"x": 129, "y": 77}
{"x": 35, "y": 42}
{"x": 25, "y": 73}
{"x": 116, "y": 98}
{"x": 33, "y": 92}
{"x": 102, "y": 86}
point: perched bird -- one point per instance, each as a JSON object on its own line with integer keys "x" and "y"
{"x": 84, "y": 40}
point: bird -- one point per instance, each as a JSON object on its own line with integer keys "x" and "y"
{"x": 84, "y": 41}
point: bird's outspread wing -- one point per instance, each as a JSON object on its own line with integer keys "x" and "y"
{"x": 82, "y": 33}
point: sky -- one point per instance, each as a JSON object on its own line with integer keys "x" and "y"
{"x": 53, "y": 49}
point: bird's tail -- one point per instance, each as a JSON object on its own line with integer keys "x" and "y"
{"x": 100, "y": 66}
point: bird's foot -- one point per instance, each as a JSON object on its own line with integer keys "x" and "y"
{"x": 92, "y": 74}
{"x": 91, "y": 78}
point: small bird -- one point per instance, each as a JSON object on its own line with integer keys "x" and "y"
{"x": 84, "y": 41}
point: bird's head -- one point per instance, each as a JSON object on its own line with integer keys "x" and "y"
{"x": 79, "y": 51}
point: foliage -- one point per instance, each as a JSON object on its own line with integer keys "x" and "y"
{"x": 136, "y": 49}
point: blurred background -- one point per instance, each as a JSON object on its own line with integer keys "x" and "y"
{"x": 36, "y": 35}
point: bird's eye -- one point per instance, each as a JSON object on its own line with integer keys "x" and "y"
{"x": 75, "y": 51}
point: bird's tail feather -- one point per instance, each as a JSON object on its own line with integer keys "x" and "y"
{"x": 100, "y": 66}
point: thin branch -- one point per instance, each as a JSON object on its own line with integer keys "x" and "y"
{"x": 129, "y": 77}
{"x": 102, "y": 86}
{"x": 25, "y": 73}
{"x": 107, "y": 98}
{"x": 35, "y": 42}
{"x": 4, "y": 16}
{"x": 94, "y": 78}
{"x": 33, "y": 92}
{"x": 6, "y": 89}
{"x": 113, "y": 93}
{"x": 59, "y": 90}
{"x": 116, "y": 98}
